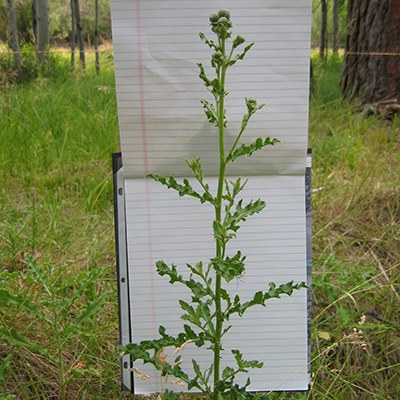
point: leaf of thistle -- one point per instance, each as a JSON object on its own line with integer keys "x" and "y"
{"x": 260, "y": 298}
{"x": 164, "y": 269}
{"x": 203, "y": 75}
{"x": 197, "y": 170}
{"x": 227, "y": 373}
{"x": 196, "y": 167}
{"x": 232, "y": 189}
{"x": 241, "y": 55}
{"x": 217, "y": 88}
{"x": 184, "y": 189}
{"x": 221, "y": 232}
{"x": 248, "y": 149}
{"x": 191, "y": 315}
{"x": 230, "y": 267}
{"x": 207, "y": 41}
{"x": 198, "y": 290}
{"x": 244, "y": 365}
{"x": 210, "y": 111}
{"x": 242, "y": 213}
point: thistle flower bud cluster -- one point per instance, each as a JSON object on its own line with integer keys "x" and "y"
{"x": 221, "y": 23}
{"x": 217, "y": 59}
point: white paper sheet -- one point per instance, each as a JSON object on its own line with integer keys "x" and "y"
{"x": 162, "y": 226}
{"x": 162, "y": 123}
{"x": 156, "y": 47}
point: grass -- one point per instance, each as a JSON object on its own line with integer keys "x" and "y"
{"x": 58, "y": 324}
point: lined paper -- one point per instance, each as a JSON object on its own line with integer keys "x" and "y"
{"x": 162, "y": 226}
{"x": 156, "y": 50}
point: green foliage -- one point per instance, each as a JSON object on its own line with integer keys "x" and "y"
{"x": 316, "y": 22}
{"x": 60, "y": 20}
{"x": 206, "y": 312}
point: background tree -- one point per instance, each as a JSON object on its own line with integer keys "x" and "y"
{"x": 42, "y": 19}
{"x": 96, "y": 35}
{"x": 79, "y": 32}
{"x": 372, "y": 62}
{"x": 324, "y": 28}
{"x": 73, "y": 35}
{"x": 335, "y": 19}
{"x": 13, "y": 34}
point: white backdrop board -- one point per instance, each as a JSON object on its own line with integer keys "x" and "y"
{"x": 157, "y": 49}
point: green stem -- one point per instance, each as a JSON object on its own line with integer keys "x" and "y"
{"x": 220, "y": 250}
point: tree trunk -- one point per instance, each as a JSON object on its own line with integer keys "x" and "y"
{"x": 42, "y": 29}
{"x": 13, "y": 34}
{"x": 96, "y": 36}
{"x": 73, "y": 35}
{"x": 372, "y": 61}
{"x": 79, "y": 31}
{"x": 34, "y": 20}
{"x": 335, "y": 41}
{"x": 324, "y": 25}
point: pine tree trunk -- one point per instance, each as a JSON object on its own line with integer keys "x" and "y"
{"x": 372, "y": 62}
{"x": 13, "y": 41}
{"x": 335, "y": 41}
{"x": 324, "y": 25}
{"x": 79, "y": 31}
{"x": 96, "y": 36}
{"x": 42, "y": 29}
{"x": 34, "y": 20}
{"x": 73, "y": 35}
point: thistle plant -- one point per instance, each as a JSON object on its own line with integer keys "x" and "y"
{"x": 207, "y": 316}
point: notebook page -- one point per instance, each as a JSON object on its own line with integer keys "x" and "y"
{"x": 157, "y": 48}
{"x": 162, "y": 226}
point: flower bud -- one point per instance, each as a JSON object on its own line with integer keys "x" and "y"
{"x": 217, "y": 58}
{"x": 239, "y": 39}
{"x": 214, "y": 17}
{"x": 224, "y": 13}
{"x": 251, "y": 104}
{"x": 225, "y": 22}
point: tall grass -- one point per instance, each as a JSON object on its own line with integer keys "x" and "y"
{"x": 58, "y": 313}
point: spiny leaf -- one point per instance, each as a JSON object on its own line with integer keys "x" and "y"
{"x": 243, "y": 365}
{"x": 209, "y": 42}
{"x": 195, "y": 166}
{"x": 227, "y": 373}
{"x": 210, "y": 111}
{"x": 164, "y": 269}
{"x": 242, "y": 213}
{"x": 230, "y": 267}
{"x": 183, "y": 189}
{"x": 203, "y": 76}
{"x": 221, "y": 232}
{"x": 241, "y": 55}
{"x": 249, "y": 149}
{"x": 260, "y": 298}
{"x": 199, "y": 292}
